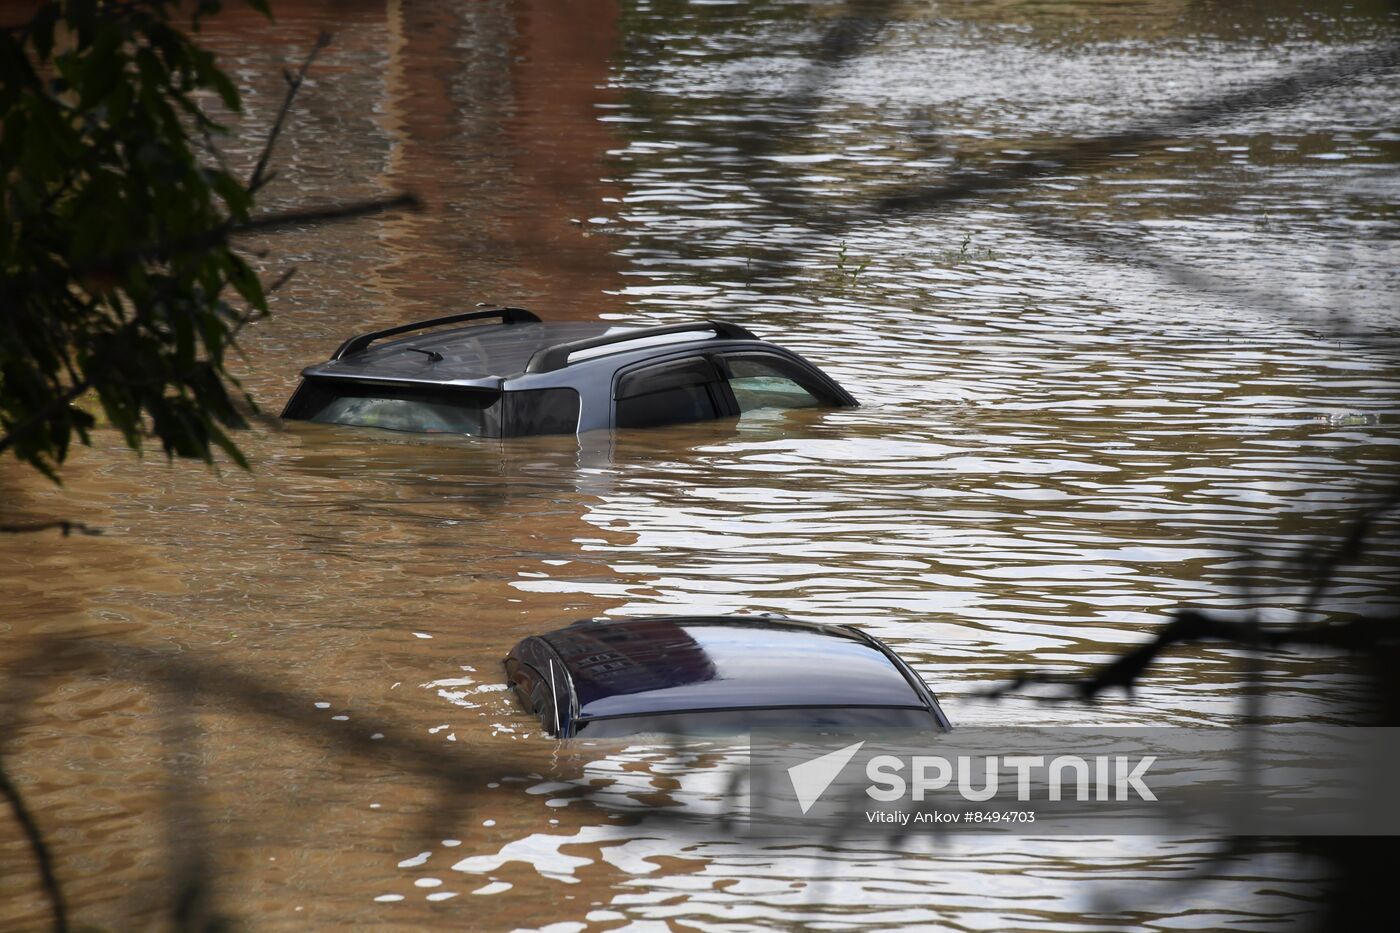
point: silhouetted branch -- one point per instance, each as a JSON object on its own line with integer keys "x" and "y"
{"x": 859, "y": 28}
{"x": 317, "y": 215}
{"x": 253, "y": 314}
{"x": 108, "y": 265}
{"x": 67, "y": 527}
{"x": 1351, "y": 548}
{"x": 1083, "y": 153}
{"x": 282, "y": 279}
{"x": 1191, "y": 626}
{"x": 42, "y": 858}
{"x": 1120, "y": 247}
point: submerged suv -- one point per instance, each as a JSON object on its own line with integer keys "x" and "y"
{"x": 506, "y": 373}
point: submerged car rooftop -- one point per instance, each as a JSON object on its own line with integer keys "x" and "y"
{"x": 519, "y": 343}
{"x": 663, "y": 664}
{"x": 502, "y": 372}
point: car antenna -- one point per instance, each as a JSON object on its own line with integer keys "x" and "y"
{"x": 432, "y": 355}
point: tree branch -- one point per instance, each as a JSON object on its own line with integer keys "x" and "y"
{"x": 1191, "y": 626}
{"x": 67, "y": 527}
{"x": 42, "y": 858}
{"x": 311, "y": 215}
{"x": 1337, "y": 71}
{"x": 271, "y": 222}
{"x": 351, "y": 210}
{"x": 294, "y": 82}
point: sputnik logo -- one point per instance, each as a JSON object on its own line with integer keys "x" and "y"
{"x": 811, "y": 778}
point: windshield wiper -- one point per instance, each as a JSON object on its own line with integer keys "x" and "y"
{"x": 432, "y": 355}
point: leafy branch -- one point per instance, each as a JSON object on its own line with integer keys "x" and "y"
{"x": 119, "y": 272}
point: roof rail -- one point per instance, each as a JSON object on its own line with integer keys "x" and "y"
{"x": 507, "y": 315}
{"x": 549, "y": 359}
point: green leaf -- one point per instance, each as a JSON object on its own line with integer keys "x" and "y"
{"x": 210, "y": 74}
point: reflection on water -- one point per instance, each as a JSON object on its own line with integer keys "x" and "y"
{"x": 1056, "y": 448}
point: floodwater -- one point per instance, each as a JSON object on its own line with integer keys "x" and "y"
{"x": 1128, "y": 385}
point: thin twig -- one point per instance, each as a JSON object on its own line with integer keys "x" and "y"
{"x": 282, "y": 279}
{"x": 294, "y": 82}
{"x": 253, "y": 314}
{"x": 214, "y": 151}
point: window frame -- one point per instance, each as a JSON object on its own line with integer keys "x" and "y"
{"x": 721, "y": 395}
{"x": 815, "y": 382}
{"x": 805, "y": 376}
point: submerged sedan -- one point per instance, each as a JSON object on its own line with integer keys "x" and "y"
{"x": 715, "y": 675}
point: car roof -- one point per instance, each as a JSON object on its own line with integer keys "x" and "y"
{"x": 471, "y": 353}
{"x": 668, "y": 664}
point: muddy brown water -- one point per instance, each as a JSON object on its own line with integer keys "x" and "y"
{"x": 1123, "y": 388}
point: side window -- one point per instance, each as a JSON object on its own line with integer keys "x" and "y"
{"x": 669, "y": 393}
{"x": 541, "y": 411}
{"x": 762, "y": 381}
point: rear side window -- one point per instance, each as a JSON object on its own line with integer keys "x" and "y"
{"x": 397, "y": 408}
{"x": 763, "y": 381}
{"x": 669, "y": 393}
{"x": 542, "y": 411}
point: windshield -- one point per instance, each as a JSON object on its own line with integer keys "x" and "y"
{"x": 397, "y": 408}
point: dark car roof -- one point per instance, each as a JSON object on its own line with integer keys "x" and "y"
{"x": 468, "y": 353}
{"x": 664, "y": 664}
